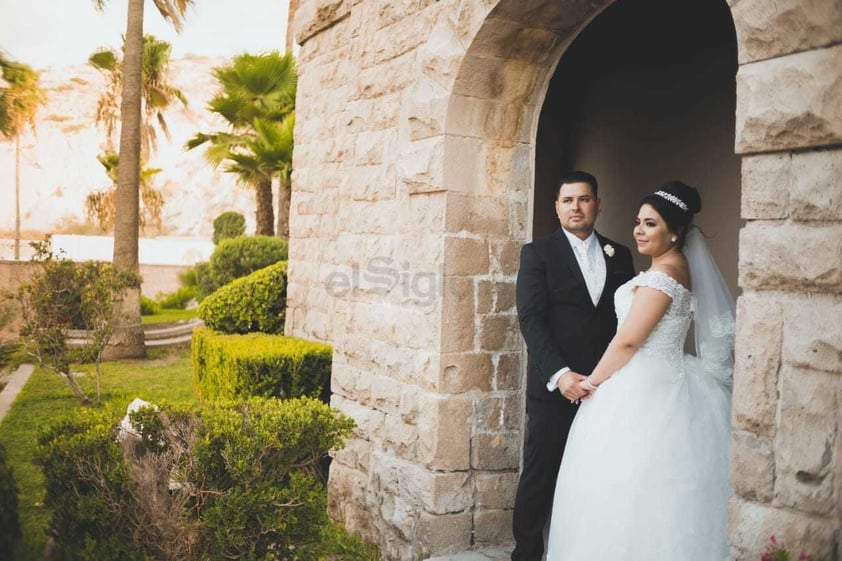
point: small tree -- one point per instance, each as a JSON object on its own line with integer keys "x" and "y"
{"x": 228, "y": 225}
{"x": 60, "y": 296}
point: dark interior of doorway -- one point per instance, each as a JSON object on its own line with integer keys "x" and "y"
{"x": 646, "y": 93}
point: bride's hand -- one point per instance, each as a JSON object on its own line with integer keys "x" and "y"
{"x": 588, "y": 388}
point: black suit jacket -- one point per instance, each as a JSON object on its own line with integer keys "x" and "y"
{"x": 558, "y": 320}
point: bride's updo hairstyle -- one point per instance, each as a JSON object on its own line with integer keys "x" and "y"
{"x": 677, "y": 203}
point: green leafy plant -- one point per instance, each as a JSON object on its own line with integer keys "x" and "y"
{"x": 179, "y": 299}
{"x": 9, "y": 523}
{"x": 255, "y": 303}
{"x": 234, "y": 258}
{"x": 227, "y": 480}
{"x": 233, "y": 366}
{"x": 228, "y": 225}
{"x": 61, "y": 296}
{"x": 148, "y": 306}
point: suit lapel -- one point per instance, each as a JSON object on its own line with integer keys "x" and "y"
{"x": 565, "y": 250}
{"x": 610, "y": 265}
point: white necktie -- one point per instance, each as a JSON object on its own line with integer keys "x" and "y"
{"x": 588, "y": 272}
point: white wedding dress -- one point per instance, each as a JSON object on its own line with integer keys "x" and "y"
{"x": 645, "y": 470}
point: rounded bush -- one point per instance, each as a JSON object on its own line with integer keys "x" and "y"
{"x": 237, "y": 257}
{"x": 256, "y": 303}
{"x": 179, "y": 299}
{"x": 228, "y": 225}
{"x": 149, "y": 307}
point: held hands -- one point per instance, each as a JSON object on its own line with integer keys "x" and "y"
{"x": 571, "y": 385}
{"x": 588, "y": 386}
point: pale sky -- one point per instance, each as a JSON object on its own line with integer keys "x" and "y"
{"x": 54, "y": 33}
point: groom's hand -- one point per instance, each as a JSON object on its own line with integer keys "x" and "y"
{"x": 569, "y": 386}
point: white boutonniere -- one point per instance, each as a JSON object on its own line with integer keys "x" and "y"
{"x": 608, "y": 249}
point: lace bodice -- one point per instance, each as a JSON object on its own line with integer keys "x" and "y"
{"x": 667, "y": 339}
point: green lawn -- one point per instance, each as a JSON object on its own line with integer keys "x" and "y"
{"x": 169, "y": 316}
{"x": 163, "y": 375}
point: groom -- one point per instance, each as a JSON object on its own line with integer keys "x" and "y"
{"x": 565, "y": 304}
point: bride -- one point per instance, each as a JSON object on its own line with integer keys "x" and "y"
{"x": 645, "y": 470}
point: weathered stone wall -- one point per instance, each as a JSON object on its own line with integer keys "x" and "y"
{"x": 411, "y": 281}
{"x": 411, "y": 190}
{"x": 787, "y": 450}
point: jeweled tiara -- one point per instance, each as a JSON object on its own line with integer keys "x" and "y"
{"x": 673, "y": 199}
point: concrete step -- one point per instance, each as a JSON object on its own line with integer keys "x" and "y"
{"x": 153, "y": 337}
{"x": 491, "y": 554}
{"x": 174, "y": 331}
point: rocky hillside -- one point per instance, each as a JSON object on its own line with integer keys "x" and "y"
{"x": 59, "y": 166}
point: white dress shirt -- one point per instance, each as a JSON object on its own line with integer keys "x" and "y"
{"x": 592, "y": 264}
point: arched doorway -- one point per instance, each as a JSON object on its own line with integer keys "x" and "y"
{"x": 500, "y": 164}
{"x": 425, "y": 153}
{"x": 646, "y": 93}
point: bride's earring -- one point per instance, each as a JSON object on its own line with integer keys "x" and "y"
{"x": 673, "y": 239}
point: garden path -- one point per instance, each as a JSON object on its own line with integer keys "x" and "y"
{"x": 14, "y": 383}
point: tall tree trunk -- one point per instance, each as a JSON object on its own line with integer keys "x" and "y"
{"x": 264, "y": 214}
{"x": 17, "y": 197}
{"x": 290, "y": 38}
{"x": 283, "y": 206}
{"x": 127, "y": 340}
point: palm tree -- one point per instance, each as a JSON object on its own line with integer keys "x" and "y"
{"x": 257, "y": 96}
{"x": 20, "y": 97}
{"x": 158, "y": 93}
{"x": 266, "y": 154}
{"x": 128, "y": 339}
{"x": 99, "y": 204}
{"x": 292, "y": 9}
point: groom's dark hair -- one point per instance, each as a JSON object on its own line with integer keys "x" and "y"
{"x": 578, "y": 177}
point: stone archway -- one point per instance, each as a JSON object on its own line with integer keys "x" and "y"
{"x": 411, "y": 199}
{"x": 492, "y": 118}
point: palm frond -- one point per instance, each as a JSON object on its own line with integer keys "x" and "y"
{"x": 104, "y": 60}
{"x": 174, "y": 11}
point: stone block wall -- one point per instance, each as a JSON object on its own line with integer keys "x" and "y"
{"x": 786, "y": 447}
{"x": 408, "y": 270}
{"x": 411, "y": 198}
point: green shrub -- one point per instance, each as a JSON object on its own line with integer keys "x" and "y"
{"x": 226, "y": 480}
{"x": 237, "y": 257}
{"x": 230, "y": 366}
{"x": 61, "y": 295}
{"x": 11, "y": 354}
{"x": 190, "y": 277}
{"x": 341, "y": 544}
{"x": 88, "y": 487}
{"x": 149, "y": 307}
{"x": 228, "y": 225}
{"x": 9, "y": 521}
{"x": 179, "y": 299}
{"x": 256, "y": 303}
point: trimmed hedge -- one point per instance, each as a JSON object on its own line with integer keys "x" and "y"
{"x": 225, "y": 480}
{"x": 228, "y": 225}
{"x": 237, "y": 257}
{"x": 256, "y": 303}
{"x": 229, "y": 366}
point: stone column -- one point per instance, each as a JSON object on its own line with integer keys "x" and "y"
{"x": 787, "y": 448}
